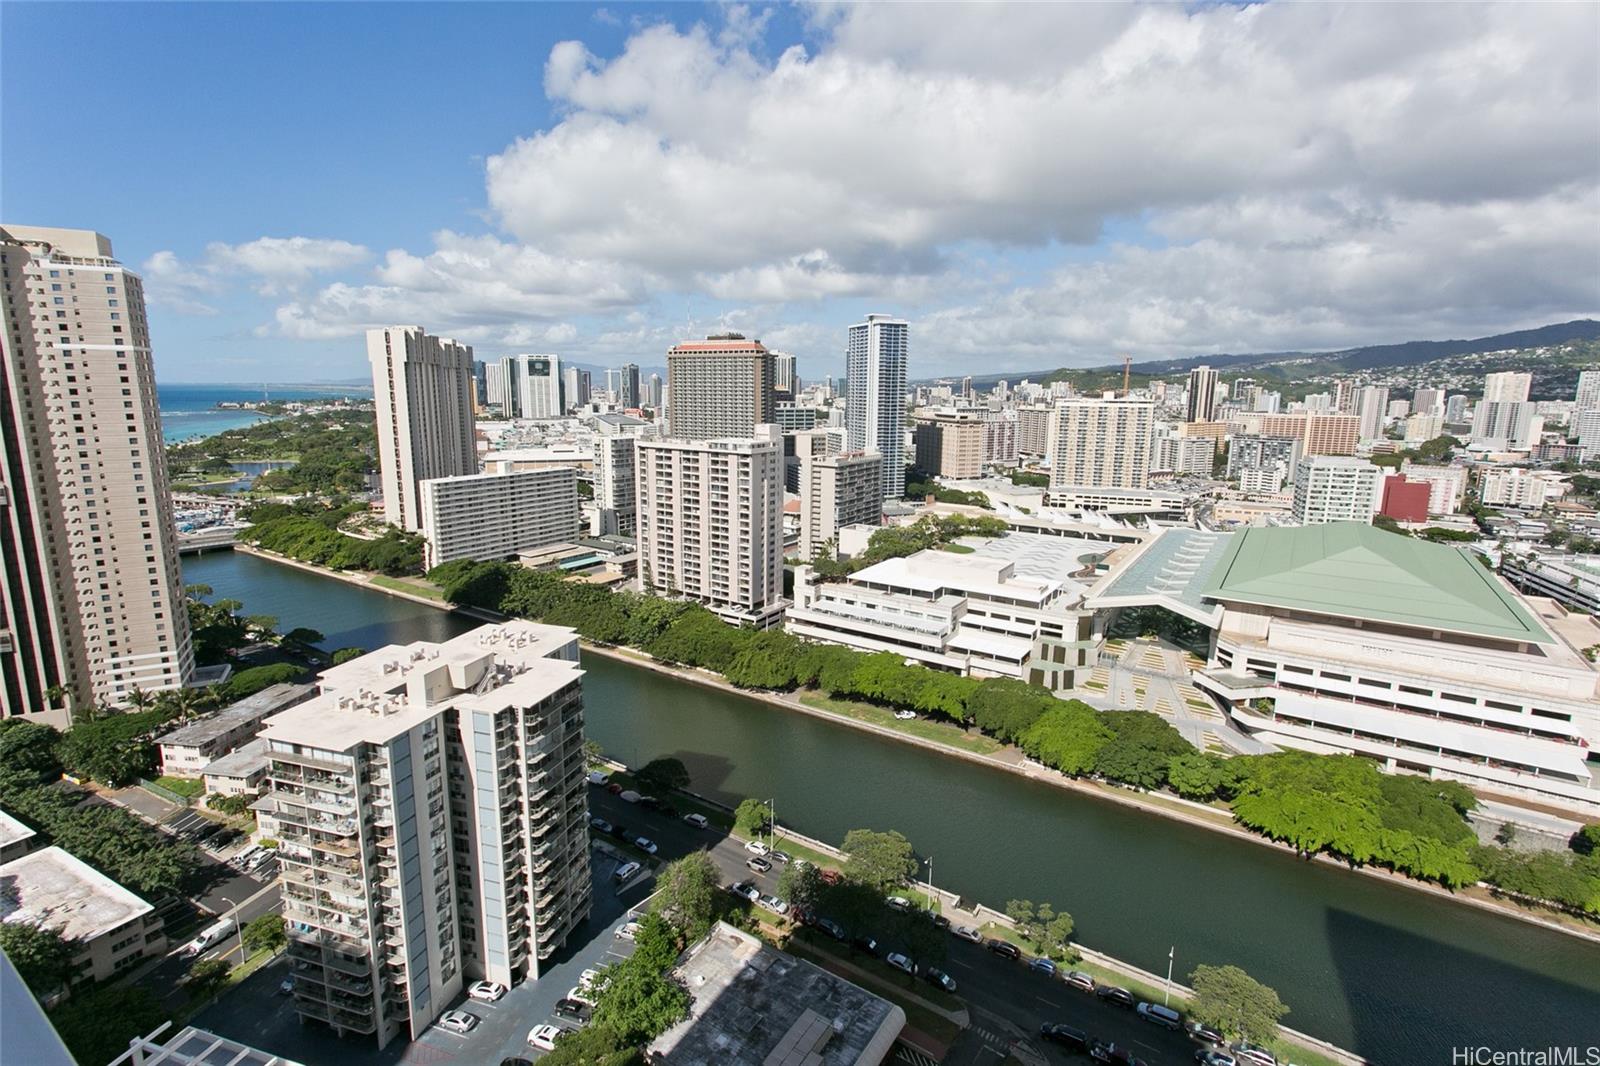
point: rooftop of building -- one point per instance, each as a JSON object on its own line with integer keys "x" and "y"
{"x": 242, "y": 713}
{"x": 372, "y": 699}
{"x": 934, "y": 571}
{"x": 1171, "y": 570}
{"x": 197, "y": 1047}
{"x": 13, "y": 831}
{"x": 717, "y": 345}
{"x": 240, "y": 762}
{"x": 1355, "y": 570}
{"x": 751, "y": 1003}
{"x": 55, "y": 889}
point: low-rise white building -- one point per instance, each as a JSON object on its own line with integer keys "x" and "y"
{"x": 113, "y": 928}
{"x": 189, "y": 749}
{"x": 16, "y": 839}
{"x": 972, "y": 614}
{"x": 495, "y": 516}
{"x": 1447, "y": 485}
{"x": 1513, "y": 487}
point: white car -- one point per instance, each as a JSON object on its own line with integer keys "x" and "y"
{"x": 696, "y": 820}
{"x": 774, "y": 904}
{"x": 628, "y": 932}
{"x": 599, "y": 777}
{"x": 593, "y": 980}
{"x": 487, "y": 991}
{"x": 966, "y": 932}
{"x": 905, "y": 716}
{"x": 899, "y": 903}
{"x": 645, "y": 844}
{"x": 544, "y": 1037}
{"x": 628, "y": 795}
{"x": 582, "y": 995}
{"x": 458, "y": 1021}
{"x": 755, "y": 847}
{"x": 625, "y": 871}
{"x": 899, "y": 962}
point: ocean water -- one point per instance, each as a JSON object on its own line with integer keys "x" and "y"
{"x": 189, "y": 411}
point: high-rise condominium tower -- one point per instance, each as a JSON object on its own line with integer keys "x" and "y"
{"x": 91, "y": 600}
{"x": 631, "y": 396}
{"x": 574, "y": 388}
{"x": 423, "y": 389}
{"x": 433, "y": 828}
{"x": 538, "y": 386}
{"x": 875, "y": 407}
{"x": 787, "y": 383}
{"x": 1202, "y": 395}
{"x": 719, "y": 387}
{"x": 1105, "y": 443}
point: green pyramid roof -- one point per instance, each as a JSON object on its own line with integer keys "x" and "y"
{"x": 1354, "y": 570}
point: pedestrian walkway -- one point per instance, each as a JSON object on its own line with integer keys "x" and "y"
{"x": 1145, "y": 674}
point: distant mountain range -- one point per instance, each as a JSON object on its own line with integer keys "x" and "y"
{"x": 1348, "y": 360}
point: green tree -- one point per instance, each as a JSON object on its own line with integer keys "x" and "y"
{"x": 97, "y": 1024}
{"x": 344, "y": 655}
{"x": 1025, "y": 916}
{"x": 28, "y": 753}
{"x": 1058, "y": 936}
{"x": 1235, "y": 1003}
{"x": 750, "y": 818}
{"x": 767, "y": 660}
{"x": 1505, "y": 835}
{"x": 265, "y": 933}
{"x": 1586, "y": 841}
{"x": 882, "y": 861}
{"x": 1141, "y": 748}
{"x": 1005, "y": 707}
{"x": 249, "y": 682}
{"x": 115, "y": 750}
{"x": 304, "y": 635}
{"x": 1067, "y": 736}
{"x": 593, "y": 1045}
{"x": 639, "y": 999}
{"x": 206, "y": 978}
{"x": 800, "y": 884}
{"x": 686, "y": 893}
{"x": 42, "y": 957}
{"x": 1196, "y": 775}
{"x": 663, "y": 774}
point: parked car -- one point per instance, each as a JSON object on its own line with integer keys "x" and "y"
{"x": 1254, "y": 1054}
{"x": 1112, "y": 994}
{"x": 940, "y": 978}
{"x": 746, "y": 890}
{"x": 900, "y": 962}
{"x": 649, "y": 801}
{"x": 286, "y": 987}
{"x": 830, "y": 877}
{"x": 1078, "y": 979}
{"x": 759, "y": 865}
{"x": 866, "y": 943}
{"x": 1043, "y": 965}
{"x": 1158, "y": 1014}
{"x": 905, "y": 716}
{"x": 628, "y": 931}
{"x": 1204, "y": 1033}
{"x": 966, "y": 932}
{"x": 773, "y": 903}
{"x": 756, "y": 847}
{"x": 600, "y": 823}
{"x": 614, "y": 788}
{"x": 1057, "y": 1033}
{"x": 625, "y": 871}
{"x": 899, "y": 903}
{"x": 832, "y": 928}
{"x": 458, "y": 1021}
{"x": 487, "y": 991}
{"x": 938, "y": 920}
{"x": 646, "y": 845}
{"x": 544, "y": 1037}
{"x": 599, "y": 777}
{"x": 210, "y": 937}
{"x": 779, "y": 856}
{"x": 1003, "y": 948}
{"x": 581, "y": 995}
{"x": 619, "y": 831}
{"x": 573, "y": 1011}
{"x": 516, "y": 1060}
{"x": 1214, "y": 1057}
{"x": 628, "y": 795}
{"x": 696, "y": 820}
{"x": 1101, "y": 1051}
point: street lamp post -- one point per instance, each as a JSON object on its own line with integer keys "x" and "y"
{"x": 772, "y": 811}
{"x": 933, "y": 901}
{"x": 238, "y": 928}
{"x": 1166, "y": 996}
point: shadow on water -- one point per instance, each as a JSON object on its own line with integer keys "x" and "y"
{"x": 1471, "y": 996}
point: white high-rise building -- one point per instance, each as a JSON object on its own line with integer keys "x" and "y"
{"x": 1428, "y": 402}
{"x": 1187, "y": 455}
{"x": 1336, "y": 488}
{"x": 1372, "y": 407}
{"x": 432, "y": 825}
{"x": 1202, "y": 405}
{"x": 1508, "y": 387}
{"x": 785, "y": 379}
{"x": 1446, "y": 485}
{"x": 495, "y": 516}
{"x": 1513, "y": 425}
{"x": 875, "y": 407}
{"x": 837, "y": 490}
{"x": 91, "y": 599}
{"x": 615, "y": 463}
{"x": 574, "y": 388}
{"x": 538, "y": 386}
{"x": 1104, "y": 443}
{"x": 710, "y": 523}
{"x": 495, "y": 393}
{"x": 1587, "y": 397}
{"x": 1455, "y": 410}
{"x": 423, "y": 389}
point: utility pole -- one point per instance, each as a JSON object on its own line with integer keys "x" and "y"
{"x": 1166, "y": 997}
{"x": 772, "y": 810}
{"x": 933, "y": 900}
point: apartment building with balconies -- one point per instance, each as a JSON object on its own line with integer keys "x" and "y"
{"x": 433, "y": 825}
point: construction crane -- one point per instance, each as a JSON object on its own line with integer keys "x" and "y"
{"x": 1127, "y": 370}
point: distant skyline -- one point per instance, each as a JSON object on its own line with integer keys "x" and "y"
{"x": 1053, "y": 187}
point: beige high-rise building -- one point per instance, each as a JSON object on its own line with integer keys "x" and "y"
{"x": 838, "y": 490}
{"x": 719, "y": 387}
{"x": 91, "y": 602}
{"x": 710, "y": 522}
{"x": 1104, "y": 443}
{"x": 949, "y": 444}
{"x": 432, "y": 824}
{"x": 1033, "y": 430}
{"x": 1318, "y": 434}
{"x": 423, "y": 389}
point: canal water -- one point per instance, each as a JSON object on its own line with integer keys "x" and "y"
{"x": 1394, "y": 974}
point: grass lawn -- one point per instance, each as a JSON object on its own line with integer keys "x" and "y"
{"x": 958, "y": 549}
{"x": 415, "y": 586}
{"x": 922, "y": 728}
{"x": 188, "y": 787}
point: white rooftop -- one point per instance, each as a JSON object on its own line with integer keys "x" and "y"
{"x": 59, "y": 891}
{"x": 934, "y": 571}
{"x": 12, "y": 831}
{"x": 388, "y": 692}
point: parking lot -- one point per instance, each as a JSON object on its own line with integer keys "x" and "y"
{"x": 257, "y": 1014}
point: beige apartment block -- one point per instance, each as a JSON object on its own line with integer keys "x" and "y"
{"x": 1104, "y": 443}
{"x": 710, "y": 523}
{"x": 433, "y": 824}
{"x": 423, "y": 387}
{"x": 719, "y": 387}
{"x": 495, "y": 516}
{"x": 91, "y": 606}
{"x": 838, "y": 490}
{"x": 112, "y": 929}
{"x": 1318, "y": 434}
{"x": 949, "y": 444}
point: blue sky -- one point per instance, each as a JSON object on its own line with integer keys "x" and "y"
{"x": 1050, "y": 188}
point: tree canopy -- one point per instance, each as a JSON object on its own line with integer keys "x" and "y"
{"x": 686, "y": 893}
{"x": 1235, "y": 1003}
{"x": 42, "y": 957}
{"x": 881, "y": 861}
